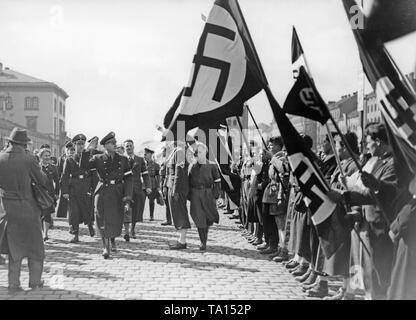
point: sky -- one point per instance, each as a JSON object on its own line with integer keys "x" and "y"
{"x": 123, "y": 62}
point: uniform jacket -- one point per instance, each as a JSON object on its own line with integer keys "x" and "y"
{"x": 115, "y": 170}
{"x": 140, "y": 173}
{"x": 153, "y": 169}
{"x": 76, "y": 171}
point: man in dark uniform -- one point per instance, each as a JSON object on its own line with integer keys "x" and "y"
{"x": 163, "y": 179}
{"x": 76, "y": 184}
{"x": 153, "y": 168}
{"x": 114, "y": 192}
{"x": 140, "y": 182}
{"x": 178, "y": 188}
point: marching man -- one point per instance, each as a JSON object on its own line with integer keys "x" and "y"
{"x": 113, "y": 193}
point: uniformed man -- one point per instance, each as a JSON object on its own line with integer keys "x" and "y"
{"x": 153, "y": 168}
{"x": 93, "y": 145}
{"x": 141, "y": 184}
{"x": 114, "y": 192}
{"x": 76, "y": 184}
{"x": 178, "y": 187}
{"x": 120, "y": 149}
{"x": 163, "y": 180}
{"x": 62, "y": 210}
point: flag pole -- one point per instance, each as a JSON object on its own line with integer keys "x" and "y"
{"x": 242, "y": 133}
{"x": 257, "y": 127}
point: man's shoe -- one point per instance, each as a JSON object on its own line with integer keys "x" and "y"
{"x": 282, "y": 256}
{"x": 46, "y": 238}
{"x": 203, "y": 247}
{"x": 14, "y": 290}
{"x": 36, "y": 286}
{"x": 270, "y": 250}
{"x": 254, "y": 239}
{"x": 151, "y": 219}
{"x": 75, "y": 239}
{"x": 106, "y": 254}
{"x": 133, "y": 235}
{"x": 127, "y": 237}
{"x": 320, "y": 290}
{"x": 302, "y": 269}
{"x": 178, "y": 246}
{"x": 311, "y": 279}
{"x": 339, "y": 295}
{"x": 304, "y": 277}
{"x": 166, "y": 223}
{"x": 262, "y": 246}
{"x": 291, "y": 264}
{"x": 257, "y": 242}
{"x": 306, "y": 287}
{"x": 91, "y": 230}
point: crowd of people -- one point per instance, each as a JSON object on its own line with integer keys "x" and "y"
{"x": 376, "y": 259}
{"x": 106, "y": 191}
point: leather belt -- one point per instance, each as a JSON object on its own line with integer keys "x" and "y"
{"x": 111, "y": 182}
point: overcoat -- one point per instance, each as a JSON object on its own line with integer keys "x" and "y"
{"x": 20, "y": 225}
{"x": 77, "y": 181}
{"x": 114, "y": 189}
{"x": 374, "y": 229}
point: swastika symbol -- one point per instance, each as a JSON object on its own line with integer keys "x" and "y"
{"x": 307, "y": 96}
{"x": 201, "y": 60}
{"x": 307, "y": 188}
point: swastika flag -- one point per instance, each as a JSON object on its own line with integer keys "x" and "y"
{"x": 326, "y": 215}
{"x": 221, "y": 79}
{"x": 395, "y": 97}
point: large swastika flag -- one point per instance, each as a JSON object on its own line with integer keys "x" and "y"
{"x": 221, "y": 79}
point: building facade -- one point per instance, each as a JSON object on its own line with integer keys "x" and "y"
{"x": 34, "y": 104}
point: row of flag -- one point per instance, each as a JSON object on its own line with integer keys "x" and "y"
{"x": 227, "y": 71}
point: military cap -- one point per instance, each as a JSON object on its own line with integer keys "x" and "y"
{"x": 79, "y": 137}
{"x": 93, "y": 138}
{"x": 69, "y": 144}
{"x": 108, "y": 138}
{"x": 147, "y": 150}
{"x": 45, "y": 146}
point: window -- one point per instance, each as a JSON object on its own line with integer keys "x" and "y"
{"x": 64, "y": 111}
{"x": 32, "y": 123}
{"x": 28, "y": 103}
{"x": 61, "y": 126}
{"x": 31, "y": 103}
{"x": 55, "y": 122}
{"x": 54, "y": 105}
{"x": 60, "y": 107}
{"x": 35, "y": 103}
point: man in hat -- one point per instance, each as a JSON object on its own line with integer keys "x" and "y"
{"x": 62, "y": 210}
{"x": 153, "y": 168}
{"x": 20, "y": 225}
{"x": 114, "y": 192}
{"x": 93, "y": 145}
{"x": 141, "y": 183}
{"x": 76, "y": 185}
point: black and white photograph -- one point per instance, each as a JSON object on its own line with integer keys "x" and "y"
{"x": 207, "y": 155}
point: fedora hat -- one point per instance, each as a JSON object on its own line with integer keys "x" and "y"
{"x": 18, "y": 135}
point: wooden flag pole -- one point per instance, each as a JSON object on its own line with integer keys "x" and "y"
{"x": 257, "y": 127}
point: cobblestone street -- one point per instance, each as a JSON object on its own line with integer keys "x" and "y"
{"x": 145, "y": 268}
